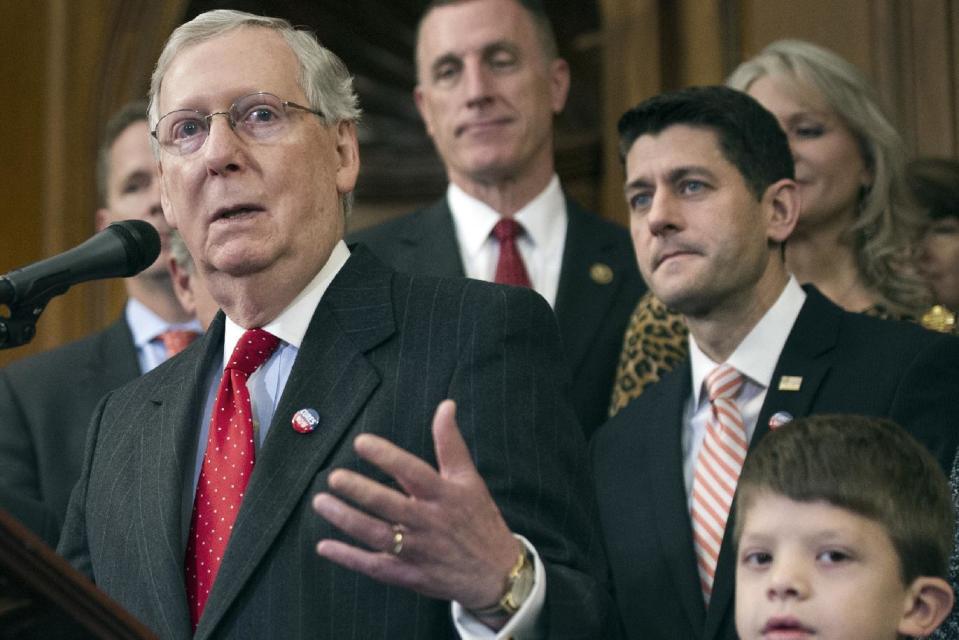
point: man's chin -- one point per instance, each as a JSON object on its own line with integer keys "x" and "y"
{"x": 686, "y": 301}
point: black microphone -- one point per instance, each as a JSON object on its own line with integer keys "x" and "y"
{"x": 123, "y": 249}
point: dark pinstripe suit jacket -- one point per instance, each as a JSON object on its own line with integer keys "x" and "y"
{"x": 848, "y": 362}
{"x": 381, "y": 351}
{"x": 45, "y": 406}
{"x": 592, "y": 314}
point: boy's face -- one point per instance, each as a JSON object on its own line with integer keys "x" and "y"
{"x": 813, "y": 570}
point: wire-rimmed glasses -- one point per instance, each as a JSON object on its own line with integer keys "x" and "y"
{"x": 258, "y": 116}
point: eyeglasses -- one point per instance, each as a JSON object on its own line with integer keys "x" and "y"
{"x": 258, "y": 117}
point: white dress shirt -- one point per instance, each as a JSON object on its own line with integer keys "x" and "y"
{"x": 266, "y": 385}
{"x": 146, "y": 328}
{"x": 755, "y": 358}
{"x": 545, "y": 220}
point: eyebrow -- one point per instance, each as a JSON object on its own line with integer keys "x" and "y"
{"x": 501, "y": 45}
{"x": 672, "y": 177}
{"x": 136, "y": 174}
{"x": 486, "y": 50}
{"x": 808, "y": 113}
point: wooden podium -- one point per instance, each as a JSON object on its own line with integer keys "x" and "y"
{"x": 42, "y": 596}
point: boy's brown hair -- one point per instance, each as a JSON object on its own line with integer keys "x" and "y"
{"x": 869, "y": 466}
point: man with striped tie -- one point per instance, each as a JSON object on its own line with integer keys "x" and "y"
{"x": 712, "y": 197}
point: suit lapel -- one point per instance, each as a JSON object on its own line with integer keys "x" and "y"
{"x": 332, "y": 376}
{"x": 169, "y": 441}
{"x": 807, "y": 355}
{"x": 585, "y": 251}
{"x": 665, "y": 466}
{"x": 431, "y": 246}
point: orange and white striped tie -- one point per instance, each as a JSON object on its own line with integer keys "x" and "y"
{"x": 718, "y": 466}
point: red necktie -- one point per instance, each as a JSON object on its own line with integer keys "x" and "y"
{"x": 718, "y": 466}
{"x": 176, "y": 340}
{"x": 227, "y": 465}
{"x": 510, "y": 268}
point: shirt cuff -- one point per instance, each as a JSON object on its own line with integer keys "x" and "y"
{"x": 525, "y": 624}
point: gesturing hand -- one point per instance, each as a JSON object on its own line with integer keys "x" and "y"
{"x": 442, "y": 536}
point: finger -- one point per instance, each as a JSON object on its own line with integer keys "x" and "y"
{"x": 452, "y": 454}
{"x": 382, "y": 567}
{"x": 413, "y": 474}
{"x": 373, "y": 497}
{"x": 374, "y": 533}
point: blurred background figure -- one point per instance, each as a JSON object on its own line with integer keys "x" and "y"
{"x": 489, "y": 85}
{"x": 189, "y": 289}
{"x": 858, "y": 228}
{"x": 935, "y": 185}
{"x": 46, "y": 400}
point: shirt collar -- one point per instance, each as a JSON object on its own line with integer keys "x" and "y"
{"x": 146, "y": 326}
{"x": 474, "y": 219}
{"x": 757, "y": 355}
{"x": 291, "y": 325}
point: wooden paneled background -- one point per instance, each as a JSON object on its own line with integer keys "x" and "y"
{"x": 65, "y": 65}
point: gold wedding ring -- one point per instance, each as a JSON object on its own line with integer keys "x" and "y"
{"x": 397, "y": 539}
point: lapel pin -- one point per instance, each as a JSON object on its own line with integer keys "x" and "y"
{"x": 779, "y": 419}
{"x": 305, "y": 420}
{"x": 790, "y": 383}
{"x": 601, "y": 273}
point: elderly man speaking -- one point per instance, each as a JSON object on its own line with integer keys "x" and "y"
{"x": 286, "y": 477}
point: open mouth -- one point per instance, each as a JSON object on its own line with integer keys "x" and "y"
{"x": 236, "y": 211}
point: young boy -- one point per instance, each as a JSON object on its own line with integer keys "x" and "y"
{"x": 844, "y": 529}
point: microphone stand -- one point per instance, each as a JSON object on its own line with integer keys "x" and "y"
{"x": 19, "y": 327}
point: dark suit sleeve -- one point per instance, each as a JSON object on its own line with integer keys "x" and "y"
{"x": 512, "y": 393}
{"x": 925, "y": 399}
{"x": 20, "y": 492}
{"x": 18, "y": 468}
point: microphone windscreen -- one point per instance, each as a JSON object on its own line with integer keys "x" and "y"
{"x": 141, "y": 241}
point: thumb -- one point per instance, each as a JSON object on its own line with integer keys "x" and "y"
{"x": 452, "y": 455}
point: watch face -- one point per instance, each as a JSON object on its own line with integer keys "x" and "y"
{"x": 521, "y": 587}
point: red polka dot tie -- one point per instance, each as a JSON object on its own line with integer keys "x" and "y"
{"x": 510, "y": 268}
{"x": 227, "y": 465}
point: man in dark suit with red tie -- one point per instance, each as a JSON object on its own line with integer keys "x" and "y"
{"x": 46, "y": 401}
{"x": 709, "y": 183}
{"x": 299, "y": 471}
{"x": 489, "y": 82}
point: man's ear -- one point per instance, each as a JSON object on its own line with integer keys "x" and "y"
{"x": 348, "y": 151}
{"x": 929, "y": 601}
{"x": 423, "y": 108}
{"x": 558, "y": 84}
{"x": 783, "y": 204}
{"x": 101, "y": 219}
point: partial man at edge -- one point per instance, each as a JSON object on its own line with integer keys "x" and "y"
{"x": 46, "y": 400}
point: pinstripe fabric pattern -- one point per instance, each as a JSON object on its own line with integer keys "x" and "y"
{"x": 592, "y": 315}
{"x": 718, "y": 467}
{"x": 381, "y": 351}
